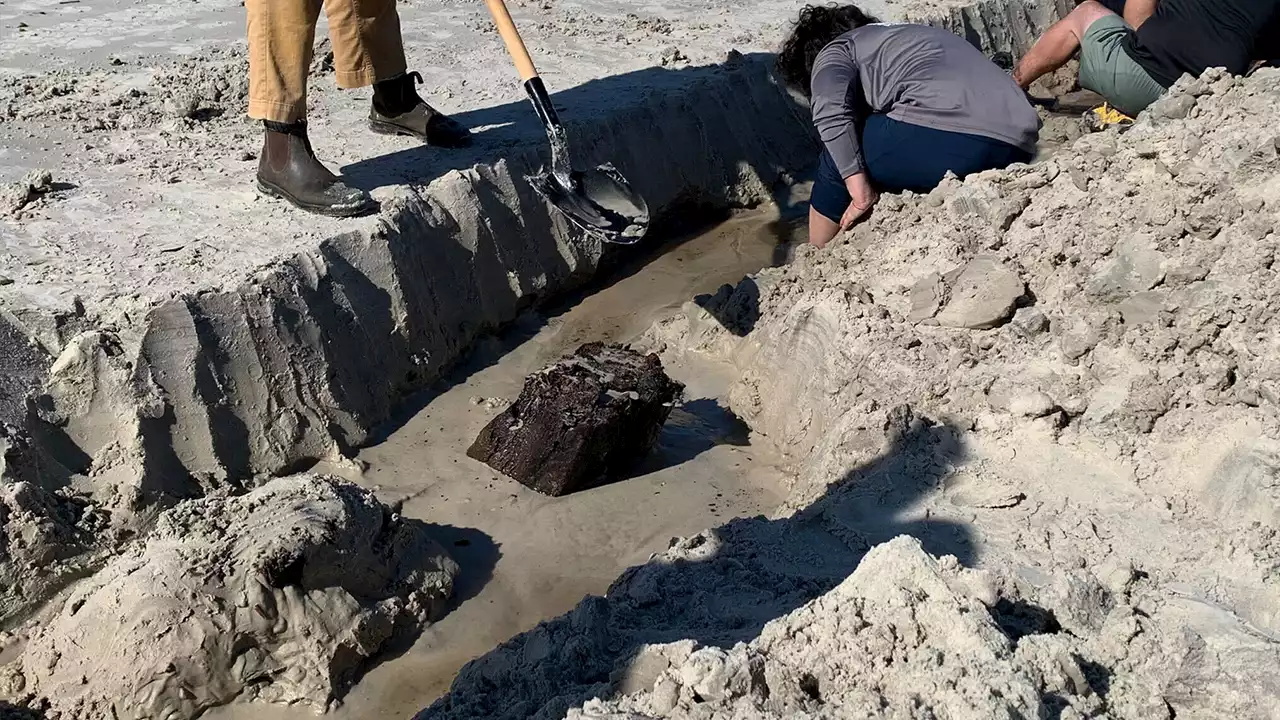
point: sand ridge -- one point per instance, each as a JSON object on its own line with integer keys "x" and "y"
{"x": 1059, "y": 380}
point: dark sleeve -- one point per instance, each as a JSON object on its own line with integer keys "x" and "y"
{"x": 1267, "y": 46}
{"x": 834, "y": 84}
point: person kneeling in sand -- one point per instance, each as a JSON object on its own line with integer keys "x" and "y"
{"x": 1132, "y": 60}
{"x": 897, "y": 106}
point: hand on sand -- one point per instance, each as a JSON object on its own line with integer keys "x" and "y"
{"x": 864, "y": 198}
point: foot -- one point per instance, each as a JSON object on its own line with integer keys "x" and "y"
{"x": 288, "y": 169}
{"x": 398, "y": 110}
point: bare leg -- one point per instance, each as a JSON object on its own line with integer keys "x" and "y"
{"x": 1058, "y": 44}
{"x": 821, "y": 229}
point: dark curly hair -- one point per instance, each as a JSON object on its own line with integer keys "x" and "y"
{"x": 817, "y": 26}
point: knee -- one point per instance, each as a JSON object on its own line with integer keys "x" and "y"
{"x": 1091, "y": 9}
{"x": 1085, "y": 14}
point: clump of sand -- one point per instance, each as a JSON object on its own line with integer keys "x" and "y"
{"x": 280, "y": 595}
{"x": 905, "y": 631}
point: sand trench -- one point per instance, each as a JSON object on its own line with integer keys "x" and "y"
{"x": 1063, "y": 390}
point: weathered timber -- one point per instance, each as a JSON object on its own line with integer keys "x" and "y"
{"x": 580, "y": 422}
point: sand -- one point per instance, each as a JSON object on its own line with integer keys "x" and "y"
{"x": 1057, "y": 380}
{"x": 526, "y": 558}
{"x": 281, "y": 594}
{"x": 1104, "y": 454}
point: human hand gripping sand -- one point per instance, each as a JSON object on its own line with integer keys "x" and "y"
{"x": 863, "y": 196}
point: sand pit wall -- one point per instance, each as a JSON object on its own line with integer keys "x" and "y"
{"x": 208, "y": 390}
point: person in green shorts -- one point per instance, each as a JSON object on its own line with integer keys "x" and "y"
{"x": 1132, "y": 60}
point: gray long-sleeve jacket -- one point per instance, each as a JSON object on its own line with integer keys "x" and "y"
{"x": 915, "y": 74}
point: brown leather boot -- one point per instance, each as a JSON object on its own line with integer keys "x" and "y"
{"x": 288, "y": 169}
{"x": 399, "y": 110}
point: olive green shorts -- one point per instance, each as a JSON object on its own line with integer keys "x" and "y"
{"x": 1108, "y": 70}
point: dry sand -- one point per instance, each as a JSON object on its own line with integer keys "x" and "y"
{"x": 1104, "y": 454}
{"x": 1059, "y": 380}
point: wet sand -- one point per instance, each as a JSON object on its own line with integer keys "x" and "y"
{"x": 526, "y": 557}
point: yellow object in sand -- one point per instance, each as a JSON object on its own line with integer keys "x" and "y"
{"x": 1108, "y": 115}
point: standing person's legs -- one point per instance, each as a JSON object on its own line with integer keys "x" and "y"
{"x": 1059, "y": 43}
{"x": 369, "y": 50}
{"x": 281, "y": 33}
{"x": 367, "y": 47}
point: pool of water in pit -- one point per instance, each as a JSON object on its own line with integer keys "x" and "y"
{"x": 526, "y": 557}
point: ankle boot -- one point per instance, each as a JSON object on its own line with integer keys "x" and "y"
{"x": 288, "y": 169}
{"x": 399, "y": 110}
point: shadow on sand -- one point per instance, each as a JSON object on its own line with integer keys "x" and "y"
{"x": 476, "y": 554}
{"x": 13, "y": 712}
{"x": 513, "y": 128}
{"x": 693, "y": 428}
{"x": 725, "y": 584}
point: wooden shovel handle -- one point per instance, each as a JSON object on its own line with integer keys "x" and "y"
{"x": 511, "y": 36}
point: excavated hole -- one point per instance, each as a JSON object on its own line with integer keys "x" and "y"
{"x": 809, "y": 686}
{"x": 1019, "y": 618}
{"x": 526, "y": 557}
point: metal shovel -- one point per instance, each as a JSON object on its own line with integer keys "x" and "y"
{"x": 599, "y": 200}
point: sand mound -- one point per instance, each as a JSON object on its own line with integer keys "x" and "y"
{"x": 904, "y": 631}
{"x": 907, "y": 635}
{"x": 279, "y": 595}
{"x": 46, "y": 539}
{"x": 1065, "y": 375}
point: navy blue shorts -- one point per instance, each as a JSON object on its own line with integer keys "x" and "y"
{"x": 901, "y": 156}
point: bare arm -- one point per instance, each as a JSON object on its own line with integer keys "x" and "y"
{"x": 1137, "y": 12}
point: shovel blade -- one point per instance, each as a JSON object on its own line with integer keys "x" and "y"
{"x": 599, "y": 200}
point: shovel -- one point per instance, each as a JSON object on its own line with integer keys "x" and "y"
{"x": 598, "y": 200}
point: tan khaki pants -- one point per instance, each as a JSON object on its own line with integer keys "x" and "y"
{"x": 367, "y": 48}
